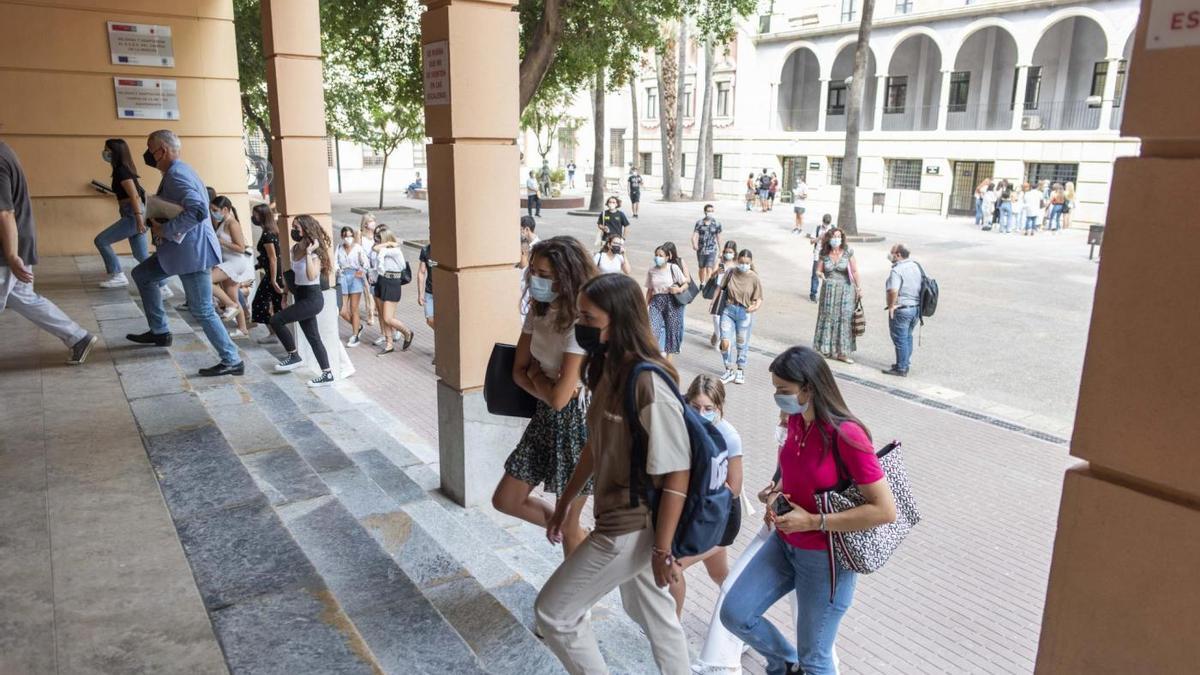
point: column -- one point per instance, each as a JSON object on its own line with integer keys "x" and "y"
{"x": 471, "y": 111}
{"x": 822, "y": 113}
{"x": 1019, "y": 103}
{"x": 1110, "y": 93}
{"x": 944, "y": 101}
{"x": 292, "y": 47}
{"x": 880, "y": 99}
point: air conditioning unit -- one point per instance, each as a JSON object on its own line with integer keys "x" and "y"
{"x": 1031, "y": 122}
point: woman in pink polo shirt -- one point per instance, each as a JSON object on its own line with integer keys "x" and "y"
{"x": 797, "y": 557}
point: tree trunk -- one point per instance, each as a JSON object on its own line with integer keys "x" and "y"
{"x": 543, "y": 47}
{"x": 383, "y": 178}
{"x": 596, "y": 203}
{"x": 702, "y": 186}
{"x": 263, "y": 127}
{"x": 667, "y": 93}
{"x": 635, "y": 123}
{"x": 847, "y": 213}
{"x": 680, "y": 113}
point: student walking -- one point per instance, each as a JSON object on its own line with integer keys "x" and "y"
{"x": 131, "y": 206}
{"x": 352, "y": 264}
{"x": 706, "y": 240}
{"x": 268, "y": 297}
{"x": 18, "y": 245}
{"x": 840, "y": 293}
{"x": 389, "y": 286}
{"x": 366, "y": 239}
{"x": 310, "y": 260}
{"x": 425, "y": 282}
{"x": 727, "y": 263}
{"x": 612, "y": 221}
{"x": 611, "y": 258}
{"x": 635, "y": 190}
{"x": 235, "y": 268}
{"x": 751, "y": 191}
{"x": 743, "y": 292}
{"x": 1068, "y": 204}
{"x": 799, "y": 199}
{"x": 1032, "y": 207}
{"x": 630, "y": 547}
{"x": 989, "y": 207}
{"x": 764, "y": 191}
{"x": 533, "y": 196}
{"x": 796, "y": 559}
{"x": 903, "y": 306}
{"x": 818, "y": 241}
{"x": 666, "y": 278}
{"x": 549, "y": 365}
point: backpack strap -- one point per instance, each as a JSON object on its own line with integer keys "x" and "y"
{"x": 639, "y": 451}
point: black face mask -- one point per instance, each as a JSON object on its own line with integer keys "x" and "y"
{"x": 588, "y": 337}
{"x": 297, "y": 236}
{"x": 148, "y": 158}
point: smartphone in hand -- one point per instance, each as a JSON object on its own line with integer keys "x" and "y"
{"x": 781, "y": 506}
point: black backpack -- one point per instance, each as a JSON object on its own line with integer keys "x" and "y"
{"x": 764, "y": 182}
{"x": 929, "y": 294}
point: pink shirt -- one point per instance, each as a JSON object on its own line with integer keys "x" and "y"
{"x": 807, "y": 466}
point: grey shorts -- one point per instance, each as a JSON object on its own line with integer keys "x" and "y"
{"x": 706, "y": 259}
{"x": 798, "y": 209}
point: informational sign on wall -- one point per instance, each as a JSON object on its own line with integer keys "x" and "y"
{"x": 1173, "y": 23}
{"x": 436, "y": 62}
{"x": 140, "y": 44}
{"x": 142, "y": 99}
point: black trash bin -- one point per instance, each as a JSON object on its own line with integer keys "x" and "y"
{"x": 1095, "y": 238}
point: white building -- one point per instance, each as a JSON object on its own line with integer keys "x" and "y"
{"x": 939, "y": 113}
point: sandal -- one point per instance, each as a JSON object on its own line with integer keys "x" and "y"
{"x": 387, "y": 350}
{"x": 845, "y": 359}
{"x": 408, "y": 341}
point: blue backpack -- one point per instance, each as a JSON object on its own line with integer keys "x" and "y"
{"x": 706, "y": 511}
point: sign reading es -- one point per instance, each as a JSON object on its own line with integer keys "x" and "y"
{"x": 1173, "y": 23}
{"x": 436, "y": 62}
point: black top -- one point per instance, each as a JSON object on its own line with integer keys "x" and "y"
{"x": 272, "y": 240}
{"x": 14, "y": 196}
{"x": 614, "y": 221}
{"x": 121, "y": 173}
{"x": 635, "y": 183}
{"x": 428, "y": 263}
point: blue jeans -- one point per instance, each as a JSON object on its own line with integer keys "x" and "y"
{"x": 736, "y": 324}
{"x": 776, "y": 570}
{"x": 1056, "y": 217}
{"x": 197, "y": 288}
{"x": 901, "y": 326}
{"x": 979, "y": 210}
{"x": 125, "y": 228}
{"x": 533, "y": 202}
{"x": 1006, "y": 217}
{"x": 814, "y": 283}
{"x": 1031, "y": 223}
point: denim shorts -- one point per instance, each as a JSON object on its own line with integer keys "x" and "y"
{"x": 429, "y": 305}
{"x": 349, "y": 283}
{"x": 706, "y": 259}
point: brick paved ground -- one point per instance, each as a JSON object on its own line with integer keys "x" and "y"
{"x": 964, "y": 595}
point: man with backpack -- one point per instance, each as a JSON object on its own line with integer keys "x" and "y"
{"x": 764, "y": 191}
{"x": 904, "y": 291}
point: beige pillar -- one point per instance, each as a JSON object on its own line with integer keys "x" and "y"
{"x": 822, "y": 113}
{"x": 1109, "y": 95}
{"x": 471, "y": 115}
{"x": 1019, "y": 103}
{"x": 943, "y": 110}
{"x": 880, "y": 99}
{"x": 292, "y": 47}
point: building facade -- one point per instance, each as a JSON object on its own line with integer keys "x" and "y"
{"x": 941, "y": 108}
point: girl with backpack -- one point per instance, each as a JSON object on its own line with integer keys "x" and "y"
{"x": 628, "y": 549}
{"x": 797, "y": 557}
{"x": 611, "y": 258}
{"x": 548, "y": 365}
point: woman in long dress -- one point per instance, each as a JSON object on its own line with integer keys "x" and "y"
{"x": 839, "y": 294}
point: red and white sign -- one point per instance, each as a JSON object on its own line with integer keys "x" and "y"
{"x": 140, "y": 44}
{"x": 143, "y": 99}
{"x": 435, "y": 60}
{"x": 1173, "y": 23}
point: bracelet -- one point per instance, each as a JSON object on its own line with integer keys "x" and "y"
{"x": 674, "y": 492}
{"x": 655, "y": 551}
{"x": 823, "y": 523}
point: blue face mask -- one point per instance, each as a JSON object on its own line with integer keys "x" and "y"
{"x": 542, "y": 289}
{"x": 789, "y": 405}
{"x": 216, "y": 216}
{"x": 744, "y": 267}
{"x": 659, "y": 261}
{"x": 709, "y": 415}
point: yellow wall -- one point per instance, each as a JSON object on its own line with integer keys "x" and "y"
{"x": 57, "y": 105}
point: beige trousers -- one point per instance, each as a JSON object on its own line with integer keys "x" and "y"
{"x": 599, "y": 565}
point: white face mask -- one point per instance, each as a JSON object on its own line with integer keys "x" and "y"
{"x": 349, "y": 241}
{"x": 729, "y": 256}
{"x": 836, "y": 242}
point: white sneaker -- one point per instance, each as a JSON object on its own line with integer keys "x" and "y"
{"x": 166, "y": 292}
{"x": 229, "y": 314}
{"x": 380, "y": 341}
{"x": 728, "y": 376}
{"x": 323, "y": 380}
{"x": 116, "y": 280}
{"x": 237, "y": 333}
{"x": 353, "y": 341}
{"x": 740, "y": 377}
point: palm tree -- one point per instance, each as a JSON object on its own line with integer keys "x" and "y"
{"x": 847, "y": 215}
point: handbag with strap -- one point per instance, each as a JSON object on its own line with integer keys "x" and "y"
{"x": 866, "y": 551}
{"x": 858, "y": 320}
{"x": 685, "y": 298}
{"x": 710, "y": 288}
{"x": 502, "y": 395}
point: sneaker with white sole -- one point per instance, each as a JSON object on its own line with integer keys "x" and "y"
{"x": 115, "y": 280}
{"x": 238, "y": 333}
{"x": 380, "y": 341}
{"x": 323, "y": 380}
{"x": 289, "y": 362}
{"x": 728, "y": 376}
{"x": 166, "y": 293}
{"x": 353, "y": 341}
{"x": 81, "y": 349}
{"x": 229, "y": 313}
{"x": 740, "y": 377}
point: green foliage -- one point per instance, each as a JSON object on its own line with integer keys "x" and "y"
{"x": 558, "y": 176}
{"x": 252, "y": 65}
{"x": 716, "y": 20}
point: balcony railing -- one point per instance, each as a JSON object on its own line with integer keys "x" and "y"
{"x": 911, "y": 118}
{"x": 799, "y": 119}
{"x": 1061, "y": 115}
{"x": 988, "y": 117}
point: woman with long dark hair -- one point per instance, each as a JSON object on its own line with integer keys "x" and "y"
{"x": 268, "y": 298}
{"x": 819, "y": 424}
{"x": 743, "y": 297}
{"x": 840, "y": 293}
{"x": 131, "y": 206}
{"x": 235, "y": 267}
{"x": 310, "y": 259}
{"x": 726, "y": 263}
{"x": 628, "y": 549}
{"x": 549, "y": 366}
{"x": 666, "y": 278}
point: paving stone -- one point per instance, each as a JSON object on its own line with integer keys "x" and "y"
{"x": 154, "y": 377}
{"x": 222, "y": 393}
{"x": 390, "y": 478}
{"x": 322, "y": 454}
{"x": 117, "y": 310}
{"x": 246, "y": 428}
{"x": 283, "y": 476}
{"x": 357, "y": 432}
{"x": 298, "y": 630}
{"x": 276, "y": 405}
{"x": 198, "y": 472}
{"x": 242, "y": 552}
{"x": 479, "y": 562}
{"x": 361, "y": 496}
{"x": 421, "y": 643}
{"x": 171, "y": 412}
{"x": 416, "y": 552}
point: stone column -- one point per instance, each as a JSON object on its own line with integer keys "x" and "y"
{"x": 471, "y": 111}
{"x": 1110, "y": 93}
{"x": 943, "y": 110}
{"x": 1019, "y": 103}
{"x": 880, "y": 99}
{"x": 292, "y": 47}
{"x": 822, "y": 112}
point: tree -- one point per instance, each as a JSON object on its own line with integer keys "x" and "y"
{"x": 373, "y": 87}
{"x": 636, "y": 122}
{"x": 668, "y": 122}
{"x": 252, "y": 68}
{"x": 680, "y": 97}
{"x": 596, "y": 202}
{"x": 703, "y": 173}
{"x": 847, "y": 212}
{"x": 544, "y": 117}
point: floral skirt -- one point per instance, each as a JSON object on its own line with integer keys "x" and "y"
{"x": 835, "y": 308}
{"x": 549, "y": 450}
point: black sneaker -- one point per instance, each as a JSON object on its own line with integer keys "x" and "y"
{"x": 323, "y": 380}
{"x": 289, "y": 362}
{"x": 896, "y": 372}
{"x": 794, "y": 669}
{"x": 220, "y": 369}
{"x": 81, "y": 349}
{"x": 148, "y": 338}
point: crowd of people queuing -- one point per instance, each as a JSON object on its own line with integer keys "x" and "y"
{"x": 1028, "y": 208}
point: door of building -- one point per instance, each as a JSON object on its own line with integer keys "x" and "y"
{"x": 967, "y": 176}
{"x": 795, "y": 169}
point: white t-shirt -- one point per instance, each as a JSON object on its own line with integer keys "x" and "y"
{"x": 733, "y": 440}
{"x": 548, "y": 344}
{"x": 609, "y": 265}
{"x": 660, "y": 279}
{"x": 1033, "y": 203}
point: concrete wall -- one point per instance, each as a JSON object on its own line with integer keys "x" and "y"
{"x": 58, "y": 105}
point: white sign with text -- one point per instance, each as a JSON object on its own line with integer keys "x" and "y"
{"x": 1173, "y": 23}
{"x": 436, "y": 63}
{"x": 142, "y": 99}
{"x": 140, "y": 44}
